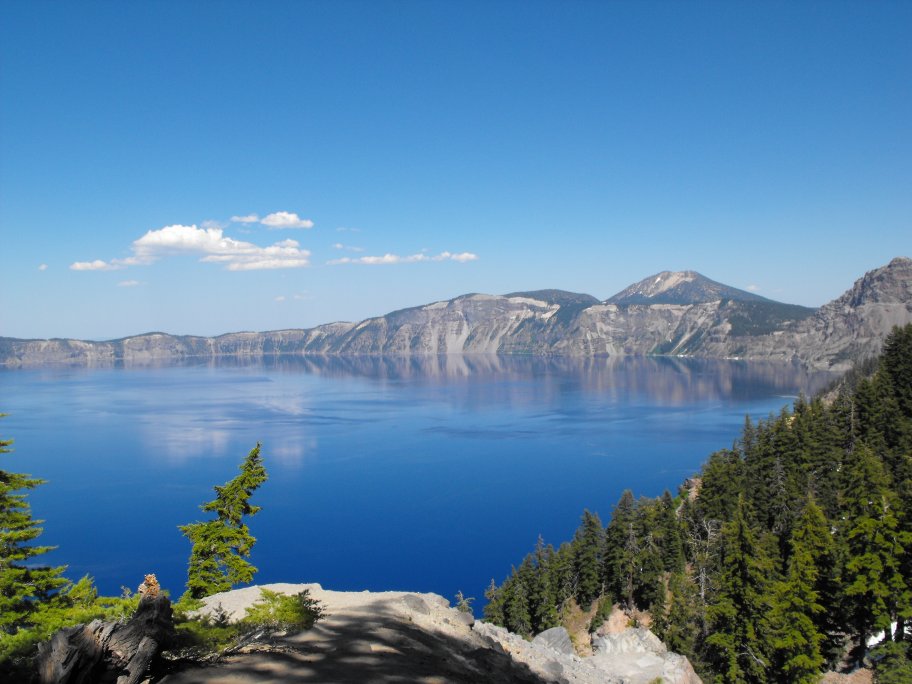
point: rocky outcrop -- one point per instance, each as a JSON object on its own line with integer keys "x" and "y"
{"x": 635, "y": 656}
{"x": 671, "y": 313}
{"x": 401, "y": 636}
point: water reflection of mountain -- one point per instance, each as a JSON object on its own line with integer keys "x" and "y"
{"x": 668, "y": 380}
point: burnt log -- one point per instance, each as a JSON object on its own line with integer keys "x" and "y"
{"x": 108, "y": 652}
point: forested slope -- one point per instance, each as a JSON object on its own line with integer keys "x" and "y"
{"x": 779, "y": 561}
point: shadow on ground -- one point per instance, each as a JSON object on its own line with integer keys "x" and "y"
{"x": 381, "y": 645}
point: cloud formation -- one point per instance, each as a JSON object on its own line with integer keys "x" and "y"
{"x": 347, "y": 248}
{"x": 277, "y": 220}
{"x": 462, "y": 257}
{"x": 211, "y": 244}
{"x": 753, "y": 288}
{"x": 97, "y": 265}
{"x": 286, "y": 219}
{"x": 43, "y": 267}
{"x": 128, "y": 283}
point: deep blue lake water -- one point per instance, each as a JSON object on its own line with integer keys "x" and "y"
{"x": 429, "y": 474}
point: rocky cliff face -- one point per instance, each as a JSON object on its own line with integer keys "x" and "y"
{"x": 680, "y": 313}
{"x": 849, "y": 328}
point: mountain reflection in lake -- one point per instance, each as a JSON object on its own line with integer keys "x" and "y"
{"x": 423, "y": 473}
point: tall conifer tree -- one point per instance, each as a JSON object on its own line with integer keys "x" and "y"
{"x": 797, "y": 638}
{"x": 220, "y": 546}
{"x": 588, "y": 551}
{"x": 22, "y": 585}
{"x": 737, "y": 641}
{"x": 876, "y": 590}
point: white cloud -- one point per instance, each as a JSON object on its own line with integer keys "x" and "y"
{"x": 285, "y": 219}
{"x": 97, "y": 265}
{"x": 348, "y": 248}
{"x": 211, "y": 244}
{"x": 128, "y": 283}
{"x": 275, "y": 220}
{"x": 462, "y": 257}
{"x": 753, "y": 288}
{"x": 280, "y": 298}
{"x": 43, "y": 267}
{"x": 343, "y": 229}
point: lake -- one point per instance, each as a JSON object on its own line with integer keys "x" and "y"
{"x": 424, "y": 474}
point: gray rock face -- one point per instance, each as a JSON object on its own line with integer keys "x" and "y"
{"x": 679, "y": 313}
{"x": 632, "y": 640}
{"x": 557, "y": 639}
{"x": 638, "y": 655}
{"x": 634, "y": 656}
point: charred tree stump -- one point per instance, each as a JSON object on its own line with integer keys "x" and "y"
{"x": 108, "y": 651}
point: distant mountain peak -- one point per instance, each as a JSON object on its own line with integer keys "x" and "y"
{"x": 680, "y": 287}
{"x": 890, "y": 283}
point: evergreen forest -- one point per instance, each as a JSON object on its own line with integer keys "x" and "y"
{"x": 786, "y": 556}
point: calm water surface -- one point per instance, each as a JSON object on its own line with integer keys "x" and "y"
{"x": 430, "y": 474}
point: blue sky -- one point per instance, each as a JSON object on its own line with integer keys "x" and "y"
{"x": 206, "y": 167}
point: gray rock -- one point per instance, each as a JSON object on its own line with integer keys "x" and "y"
{"x": 416, "y": 603}
{"x": 638, "y": 658}
{"x": 557, "y": 639}
{"x": 633, "y": 640}
{"x": 465, "y": 618}
{"x": 637, "y": 655}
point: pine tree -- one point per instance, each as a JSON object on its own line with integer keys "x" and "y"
{"x": 722, "y": 481}
{"x": 671, "y": 541}
{"x": 875, "y": 587}
{"x": 619, "y": 563}
{"x": 543, "y": 598}
{"x": 588, "y": 549}
{"x": 648, "y": 575}
{"x": 220, "y": 546}
{"x": 23, "y": 586}
{"x": 896, "y": 363}
{"x": 797, "y": 638}
{"x": 517, "y": 612}
{"x": 494, "y": 608}
{"x": 677, "y": 626}
{"x": 737, "y": 640}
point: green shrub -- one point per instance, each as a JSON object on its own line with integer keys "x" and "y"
{"x": 75, "y": 604}
{"x": 463, "y": 603}
{"x": 284, "y": 613}
{"x": 200, "y": 638}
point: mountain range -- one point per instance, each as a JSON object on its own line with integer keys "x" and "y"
{"x": 670, "y": 313}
